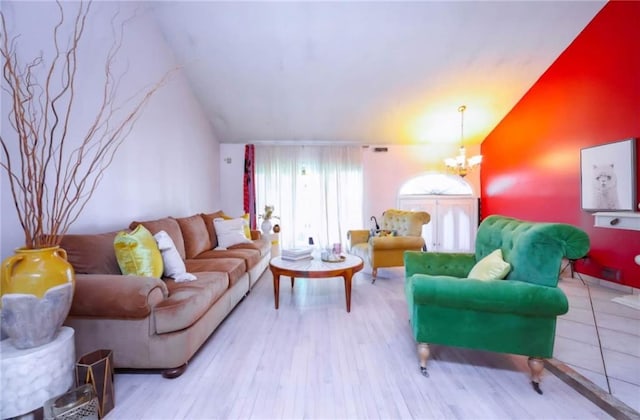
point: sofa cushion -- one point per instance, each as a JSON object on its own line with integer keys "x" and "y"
{"x": 173, "y": 265}
{"x": 187, "y": 302}
{"x": 491, "y": 267}
{"x": 137, "y": 253}
{"x": 195, "y": 234}
{"x": 229, "y": 232}
{"x": 234, "y": 267}
{"x": 91, "y": 254}
{"x": 208, "y": 221}
{"x": 251, "y": 257}
{"x": 245, "y": 223}
{"x": 262, "y": 245}
{"x": 169, "y": 225}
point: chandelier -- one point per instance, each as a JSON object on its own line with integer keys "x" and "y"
{"x": 461, "y": 165}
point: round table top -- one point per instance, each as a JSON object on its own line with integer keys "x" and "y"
{"x": 315, "y": 265}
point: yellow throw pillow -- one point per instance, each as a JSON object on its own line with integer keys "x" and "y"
{"x": 137, "y": 253}
{"x": 246, "y": 228}
{"x": 491, "y": 267}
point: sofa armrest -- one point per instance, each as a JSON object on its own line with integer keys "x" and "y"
{"x": 438, "y": 263}
{"x": 357, "y": 236}
{"x": 116, "y": 296}
{"x": 501, "y": 296}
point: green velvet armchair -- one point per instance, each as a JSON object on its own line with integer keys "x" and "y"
{"x": 514, "y": 315}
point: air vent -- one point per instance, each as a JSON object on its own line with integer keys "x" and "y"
{"x": 380, "y": 149}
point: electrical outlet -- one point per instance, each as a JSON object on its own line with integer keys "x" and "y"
{"x": 611, "y": 274}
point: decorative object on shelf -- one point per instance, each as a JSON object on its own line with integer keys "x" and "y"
{"x": 461, "y": 165}
{"x": 37, "y": 290}
{"x": 96, "y": 369}
{"x": 52, "y": 175}
{"x": 608, "y": 176}
{"x": 266, "y": 219}
{"x": 276, "y": 228}
{"x": 265, "y": 227}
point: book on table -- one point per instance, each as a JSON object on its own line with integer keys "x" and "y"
{"x": 295, "y": 254}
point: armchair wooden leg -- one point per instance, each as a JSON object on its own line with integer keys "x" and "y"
{"x": 423, "y": 355}
{"x": 374, "y": 273}
{"x": 536, "y": 366}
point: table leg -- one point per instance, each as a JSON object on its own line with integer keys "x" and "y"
{"x": 292, "y": 280}
{"x": 276, "y": 286}
{"x": 347, "y": 288}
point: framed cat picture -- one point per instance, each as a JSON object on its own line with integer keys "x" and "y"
{"x": 608, "y": 176}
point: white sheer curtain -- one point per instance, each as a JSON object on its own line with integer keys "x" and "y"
{"x": 316, "y": 191}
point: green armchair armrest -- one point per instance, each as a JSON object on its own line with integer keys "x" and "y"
{"x": 498, "y": 296}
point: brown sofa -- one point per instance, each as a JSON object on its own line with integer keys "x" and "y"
{"x": 153, "y": 323}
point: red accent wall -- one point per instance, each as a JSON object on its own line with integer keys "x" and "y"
{"x": 589, "y": 96}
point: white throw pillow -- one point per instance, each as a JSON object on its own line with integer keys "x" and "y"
{"x": 229, "y": 232}
{"x": 173, "y": 265}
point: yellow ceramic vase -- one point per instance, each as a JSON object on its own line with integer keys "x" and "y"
{"x": 36, "y": 292}
{"x": 34, "y": 271}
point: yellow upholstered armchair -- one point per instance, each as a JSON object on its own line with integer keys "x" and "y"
{"x": 399, "y": 231}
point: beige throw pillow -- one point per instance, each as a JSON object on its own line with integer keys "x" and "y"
{"x": 491, "y": 267}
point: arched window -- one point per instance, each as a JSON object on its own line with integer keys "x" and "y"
{"x": 436, "y": 184}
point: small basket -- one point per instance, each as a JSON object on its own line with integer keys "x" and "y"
{"x": 79, "y": 403}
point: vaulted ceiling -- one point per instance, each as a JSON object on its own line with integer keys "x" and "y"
{"x": 365, "y": 72}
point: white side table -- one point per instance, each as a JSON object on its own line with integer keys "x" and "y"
{"x": 28, "y": 378}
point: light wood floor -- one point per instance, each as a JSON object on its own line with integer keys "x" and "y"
{"x": 312, "y": 359}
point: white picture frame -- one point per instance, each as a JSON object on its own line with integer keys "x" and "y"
{"x": 608, "y": 176}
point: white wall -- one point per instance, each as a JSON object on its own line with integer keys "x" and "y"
{"x": 168, "y": 164}
{"x": 384, "y": 173}
{"x": 232, "y": 178}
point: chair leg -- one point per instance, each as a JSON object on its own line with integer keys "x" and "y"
{"x": 374, "y": 273}
{"x": 536, "y": 366}
{"x": 423, "y": 355}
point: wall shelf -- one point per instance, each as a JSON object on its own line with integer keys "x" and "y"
{"x": 617, "y": 220}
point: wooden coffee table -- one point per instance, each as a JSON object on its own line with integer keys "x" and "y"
{"x": 313, "y": 269}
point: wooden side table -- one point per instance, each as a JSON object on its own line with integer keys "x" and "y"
{"x": 32, "y": 376}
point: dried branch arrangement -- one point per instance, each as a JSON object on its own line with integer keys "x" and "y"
{"x": 51, "y": 176}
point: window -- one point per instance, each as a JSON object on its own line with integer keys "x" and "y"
{"x": 316, "y": 191}
{"x": 436, "y": 184}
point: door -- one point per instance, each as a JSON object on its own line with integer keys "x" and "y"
{"x": 454, "y": 221}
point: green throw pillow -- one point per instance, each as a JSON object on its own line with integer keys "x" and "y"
{"x": 137, "y": 253}
{"x": 491, "y": 267}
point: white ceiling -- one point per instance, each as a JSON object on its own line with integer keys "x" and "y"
{"x": 365, "y": 72}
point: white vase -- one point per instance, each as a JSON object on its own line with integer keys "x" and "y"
{"x": 266, "y": 226}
